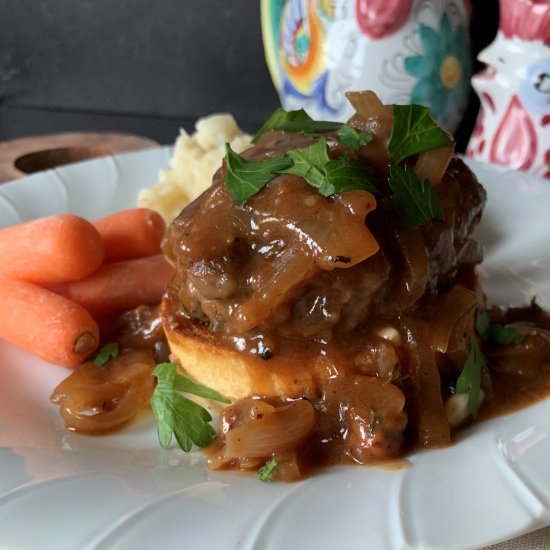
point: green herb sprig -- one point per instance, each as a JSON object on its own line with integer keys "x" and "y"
{"x": 265, "y": 472}
{"x": 416, "y": 201}
{"x": 353, "y": 138}
{"x": 295, "y": 122}
{"x": 106, "y": 353}
{"x": 299, "y": 122}
{"x": 469, "y": 380}
{"x": 495, "y": 333}
{"x": 328, "y": 175}
{"x": 244, "y": 178}
{"x": 413, "y": 132}
{"x": 179, "y": 416}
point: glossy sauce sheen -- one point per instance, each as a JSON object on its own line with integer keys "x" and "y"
{"x": 98, "y": 399}
{"x": 520, "y": 374}
{"x": 366, "y": 322}
{"x": 372, "y": 314}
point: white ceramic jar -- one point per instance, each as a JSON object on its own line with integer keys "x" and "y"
{"x": 513, "y": 126}
{"x": 404, "y": 50}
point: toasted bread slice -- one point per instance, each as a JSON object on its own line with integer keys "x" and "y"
{"x": 203, "y": 356}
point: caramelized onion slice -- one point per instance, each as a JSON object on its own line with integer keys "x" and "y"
{"x": 370, "y": 412}
{"x": 373, "y": 116}
{"x": 368, "y": 106}
{"x": 412, "y": 280}
{"x": 97, "y": 400}
{"x": 425, "y": 402}
{"x": 433, "y": 164}
{"x": 377, "y": 118}
{"x": 452, "y": 312}
{"x": 281, "y": 430}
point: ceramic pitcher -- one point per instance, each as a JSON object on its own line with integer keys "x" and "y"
{"x": 405, "y": 50}
{"x": 513, "y": 126}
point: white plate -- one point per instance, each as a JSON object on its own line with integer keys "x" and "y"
{"x": 61, "y": 490}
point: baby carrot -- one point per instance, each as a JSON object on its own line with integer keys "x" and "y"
{"x": 54, "y": 249}
{"x": 46, "y": 324}
{"x": 133, "y": 233}
{"x": 118, "y": 287}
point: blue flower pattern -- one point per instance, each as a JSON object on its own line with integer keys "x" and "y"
{"x": 443, "y": 72}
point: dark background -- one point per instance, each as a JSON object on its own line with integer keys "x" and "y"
{"x": 146, "y": 67}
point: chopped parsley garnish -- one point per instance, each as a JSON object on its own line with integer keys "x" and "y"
{"x": 501, "y": 335}
{"x": 309, "y": 162}
{"x": 299, "y": 122}
{"x": 177, "y": 415}
{"x": 296, "y": 122}
{"x": 483, "y": 323}
{"x": 264, "y": 473}
{"x": 347, "y": 174}
{"x": 504, "y": 335}
{"x": 328, "y": 175}
{"x": 244, "y": 178}
{"x": 416, "y": 201}
{"x": 469, "y": 380}
{"x": 413, "y": 132}
{"x": 106, "y": 353}
{"x": 348, "y": 135}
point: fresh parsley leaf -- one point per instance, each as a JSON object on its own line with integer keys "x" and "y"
{"x": 106, "y": 353}
{"x": 177, "y": 415}
{"x": 244, "y": 178}
{"x": 414, "y": 131}
{"x": 469, "y": 380}
{"x": 299, "y": 122}
{"x": 504, "y": 335}
{"x": 309, "y": 162}
{"x": 501, "y": 335}
{"x": 264, "y": 473}
{"x": 483, "y": 323}
{"x": 352, "y": 137}
{"x": 346, "y": 174}
{"x": 416, "y": 202}
{"x": 328, "y": 175}
{"x": 295, "y": 121}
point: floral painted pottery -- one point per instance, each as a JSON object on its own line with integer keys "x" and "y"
{"x": 513, "y": 125}
{"x": 404, "y": 50}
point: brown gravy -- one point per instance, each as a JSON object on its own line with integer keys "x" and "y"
{"x": 520, "y": 373}
{"x": 345, "y": 431}
{"x": 367, "y": 322}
